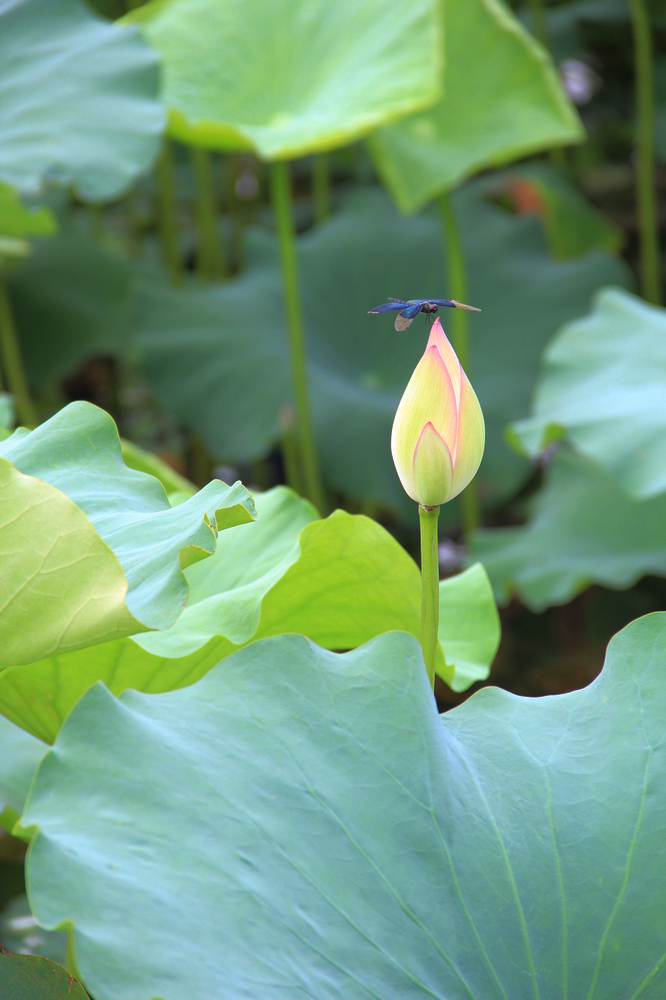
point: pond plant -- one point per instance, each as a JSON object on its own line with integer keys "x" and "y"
{"x": 223, "y": 768}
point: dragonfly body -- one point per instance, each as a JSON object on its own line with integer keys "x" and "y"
{"x": 409, "y": 309}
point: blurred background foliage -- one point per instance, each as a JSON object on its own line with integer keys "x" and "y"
{"x": 169, "y": 182}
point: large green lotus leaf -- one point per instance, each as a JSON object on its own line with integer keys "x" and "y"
{"x": 502, "y": 99}
{"x": 284, "y": 79}
{"x": 20, "y": 753}
{"x": 32, "y": 977}
{"x": 70, "y": 300}
{"x": 339, "y": 581}
{"x": 584, "y": 529}
{"x": 345, "y": 840}
{"x": 77, "y": 99}
{"x": 92, "y": 549}
{"x": 18, "y": 220}
{"x": 603, "y": 386}
{"x": 217, "y": 357}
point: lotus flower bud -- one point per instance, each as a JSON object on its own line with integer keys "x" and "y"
{"x": 438, "y": 432}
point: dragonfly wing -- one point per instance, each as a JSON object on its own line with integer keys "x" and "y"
{"x": 407, "y": 315}
{"x": 453, "y": 304}
{"x": 390, "y": 306}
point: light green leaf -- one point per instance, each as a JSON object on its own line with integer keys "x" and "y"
{"x": 20, "y": 753}
{"x": 503, "y": 850}
{"x": 31, "y": 977}
{"x": 92, "y": 549}
{"x": 200, "y": 366}
{"x": 583, "y": 530}
{"x": 339, "y": 581}
{"x": 602, "y": 385}
{"x": 17, "y": 220}
{"x": 284, "y": 80}
{"x": 77, "y": 99}
{"x": 469, "y": 626}
{"x": 502, "y": 100}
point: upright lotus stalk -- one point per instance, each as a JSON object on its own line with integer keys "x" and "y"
{"x": 437, "y": 444}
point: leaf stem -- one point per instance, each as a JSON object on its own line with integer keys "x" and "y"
{"x": 321, "y": 187}
{"x": 168, "y": 222}
{"x": 645, "y": 180}
{"x": 12, "y": 362}
{"x": 304, "y": 432}
{"x": 457, "y": 275}
{"x": 429, "y": 588}
{"x": 211, "y": 258}
{"x": 539, "y": 25}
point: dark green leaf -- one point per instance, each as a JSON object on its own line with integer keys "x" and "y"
{"x": 217, "y": 357}
{"x": 31, "y": 977}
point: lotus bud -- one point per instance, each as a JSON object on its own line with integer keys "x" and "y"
{"x": 438, "y": 432}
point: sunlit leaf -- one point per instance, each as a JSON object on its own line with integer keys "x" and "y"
{"x": 469, "y": 626}
{"x": 285, "y": 80}
{"x": 18, "y": 220}
{"x": 502, "y": 99}
{"x": 584, "y": 529}
{"x": 340, "y": 581}
{"x": 603, "y": 386}
{"x": 77, "y": 99}
{"x": 91, "y": 549}
{"x": 342, "y": 839}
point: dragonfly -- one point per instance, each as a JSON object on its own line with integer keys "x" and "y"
{"x": 408, "y": 310}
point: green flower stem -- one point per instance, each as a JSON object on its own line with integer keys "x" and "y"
{"x": 645, "y": 182}
{"x": 304, "y": 432}
{"x": 211, "y": 258}
{"x": 168, "y": 223}
{"x": 290, "y": 451}
{"x": 429, "y": 588}
{"x": 539, "y": 26}
{"x": 12, "y": 362}
{"x": 469, "y": 501}
{"x": 321, "y": 187}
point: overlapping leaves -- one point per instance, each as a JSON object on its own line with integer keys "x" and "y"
{"x": 502, "y": 99}
{"x": 505, "y": 849}
{"x": 340, "y": 581}
{"x": 91, "y": 549}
